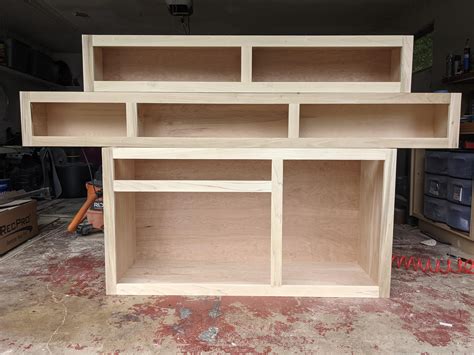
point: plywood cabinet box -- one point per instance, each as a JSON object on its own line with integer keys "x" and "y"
{"x": 351, "y": 120}
{"x": 247, "y": 63}
{"x": 275, "y": 222}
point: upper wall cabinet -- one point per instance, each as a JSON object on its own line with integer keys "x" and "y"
{"x": 318, "y": 120}
{"x": 247, "y": 63}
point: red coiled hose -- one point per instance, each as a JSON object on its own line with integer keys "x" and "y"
{"x": 463, "y": 266}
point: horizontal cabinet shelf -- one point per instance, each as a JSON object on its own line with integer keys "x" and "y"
{"x": 247, "y": 63}
{"x": 191, "y": 186}
{"x": 241, "y": 120}
{"x": 321, "y": 229}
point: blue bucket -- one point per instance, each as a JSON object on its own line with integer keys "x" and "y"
{"x": 4, "y": 185}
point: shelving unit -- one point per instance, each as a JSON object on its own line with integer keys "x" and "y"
{"x": 465, "y": 78}
{"x": 395, "y": 120}
{"x": 247, "y": 63}
{"x": 249, "y": 221}
{"x": 443, "y": 232}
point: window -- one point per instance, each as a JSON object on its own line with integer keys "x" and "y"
{"x": 423, "y": 49}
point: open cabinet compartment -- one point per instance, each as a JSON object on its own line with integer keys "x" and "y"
{"x": 68, "y": 119}
{"x": 332, "y": 222}
{"x": 248, "y": 63}
{"x": 213, "y": 120}
{"x": 193, "y": 237}
{"x": 319, "y": 64}
{"x": 167, "y": 64}
{"x": 297, "y": 222}
{"x": 374, "y": 120}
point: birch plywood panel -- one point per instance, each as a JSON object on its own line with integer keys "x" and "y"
{"x": 190, "y": 120}
{"x": 79, "y": 119}
{"x": 421, "y": 121}
{"x": 322, "y": 64}
{"x": 170, "y": 64}
{"x": 321, "y": 211}
{"x": 201, "y": 237}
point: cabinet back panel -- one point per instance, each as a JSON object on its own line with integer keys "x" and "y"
{"x": 79, "y": 119}
{"x": 217, "y": 227}
{"x": 189, "y": 169}
{"x": 321, "y": 211}
{"x": 207, "y": 120}
{"x": 396, "y": 121}
{"x": 170, "y": 64}
{"x": 298, "y": 64}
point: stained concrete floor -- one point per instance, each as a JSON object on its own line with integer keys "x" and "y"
{"x": 52, "y": 300}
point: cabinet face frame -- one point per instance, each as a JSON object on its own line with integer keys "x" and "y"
{"x": 439, "y": 131}
{"x": 399, "y": 57}
{"x": 376, "y": 221}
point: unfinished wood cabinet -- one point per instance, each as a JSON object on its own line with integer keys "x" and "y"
{"x": 247, "y": 63}
{"x": 275, "y": 222}
{"x": 351, "y": 120}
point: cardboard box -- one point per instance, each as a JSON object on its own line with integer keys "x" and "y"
{"x": 18, "y": 223}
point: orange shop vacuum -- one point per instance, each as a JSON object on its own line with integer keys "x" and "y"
{"x": 90, "y": 217}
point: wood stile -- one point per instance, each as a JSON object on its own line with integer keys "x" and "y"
{"x": 348, "y": 120}
{"x": 319, "y": 224}
{"x": 248, "y": 63}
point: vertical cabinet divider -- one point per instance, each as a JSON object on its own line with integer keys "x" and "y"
{"x": 294, "y": 121}
{"x": 276, "y": 222}
{"x": 246, "y": 64}
{"x": 132, "y": 119}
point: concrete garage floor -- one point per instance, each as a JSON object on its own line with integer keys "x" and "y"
{"x": 52, "y": 301}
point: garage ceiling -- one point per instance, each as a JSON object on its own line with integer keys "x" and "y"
{"x": 54, "y": 25}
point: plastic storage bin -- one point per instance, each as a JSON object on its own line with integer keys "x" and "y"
{"x": 460, "y": 165}
{"x": 435, "y": 209}
{"x": 460, "y": 191}
{"x": 436, "y": 185}
{"x": 436, "y": 162}
{"x": 459, "y": 216}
